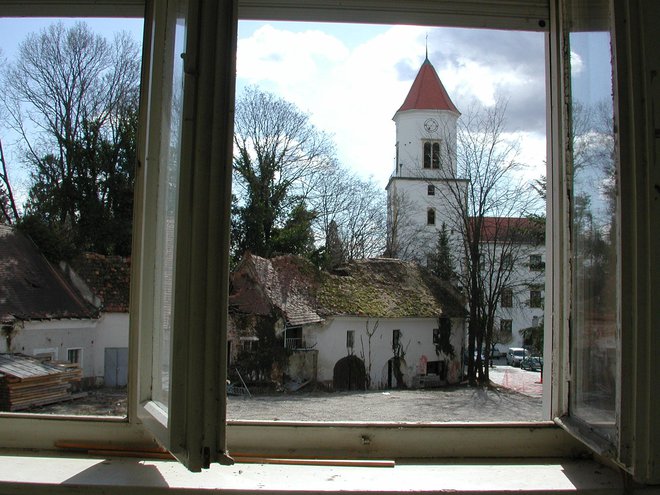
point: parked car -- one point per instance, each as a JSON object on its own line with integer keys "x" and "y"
{"x": 532, "y": 363}
{"x": 496, "y": 353}
{"x": 515, "y": 355}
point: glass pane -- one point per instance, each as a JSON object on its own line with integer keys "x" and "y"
{"x": 67, "y": 168}
{"x": 594, "y": 314}
{"x": 167, "y": 204}
{"x": 345, "y": 221}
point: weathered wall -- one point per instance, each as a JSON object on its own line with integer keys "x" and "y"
{"x": 416, "y": 340}
{"x": 302, "y": 365}
{"x": 56, "y": 337}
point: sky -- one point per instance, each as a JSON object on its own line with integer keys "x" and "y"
{"x": 351, "y": 79}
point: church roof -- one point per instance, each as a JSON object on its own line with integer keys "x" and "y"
{"x": 427, "y": 92}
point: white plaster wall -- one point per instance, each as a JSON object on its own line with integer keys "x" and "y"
{"x": 111, "y": 331}
{"x": 416, "y": 337}
{"x": 59, "y": 335}
{"x": 416, "y": 238}
{"x": 92, "y": 336}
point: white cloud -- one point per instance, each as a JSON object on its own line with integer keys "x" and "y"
{"x": 353, "y": 90}
{"x": 577, "y": 64}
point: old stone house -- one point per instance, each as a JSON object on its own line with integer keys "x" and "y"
{"x": 376, "y": 323}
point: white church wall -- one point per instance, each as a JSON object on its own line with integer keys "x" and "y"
{"x": 411, "y": 134}
{"x": 417, "y": 238}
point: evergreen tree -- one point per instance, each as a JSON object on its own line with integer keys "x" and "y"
{"x": 442, "y": 261}
{"x": 296, "y": 236}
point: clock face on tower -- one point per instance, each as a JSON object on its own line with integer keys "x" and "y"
{"x": 431, "y": 125}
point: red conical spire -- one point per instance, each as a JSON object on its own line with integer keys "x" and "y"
{"x": 427, "y": 92}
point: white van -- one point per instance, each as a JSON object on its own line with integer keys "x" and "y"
{"x": 515, "y": 355}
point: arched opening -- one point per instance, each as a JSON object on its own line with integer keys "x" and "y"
{"x": 349, "y": 374}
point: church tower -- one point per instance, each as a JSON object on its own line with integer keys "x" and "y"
{"x": 424, "y": 183}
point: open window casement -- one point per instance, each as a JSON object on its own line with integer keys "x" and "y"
{"x": 183, "y": 191}
{"x": 604, "y": 327}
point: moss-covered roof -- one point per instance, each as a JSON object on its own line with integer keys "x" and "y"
{"x": 386, "y": 288}
{"x": 377, "y": 288}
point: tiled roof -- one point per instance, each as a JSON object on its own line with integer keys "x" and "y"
{"x": 108, "y": 277}
{"x": 525, "y": 230}
{"x": 384, "y": 288}
{"x": 285, "y": 284}
{"x": 30, "y": 287}
{"x": 427, "y": 92}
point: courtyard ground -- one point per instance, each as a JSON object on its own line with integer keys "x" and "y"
{"x": 433, "y": 405}
{"x": 514, "y": 396}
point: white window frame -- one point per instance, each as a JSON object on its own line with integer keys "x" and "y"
{"x": 637, "y": 244}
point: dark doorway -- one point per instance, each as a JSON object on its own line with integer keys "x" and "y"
{"x": 349, "y": 374}
{"x": 395, "y": 374}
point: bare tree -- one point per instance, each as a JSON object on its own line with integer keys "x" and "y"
{"x": 8, "y": 210}
{"x": 492, "y": 223}
{"x": 400, "y": 241}
{"x": 71, "y": 96}
{"x": 350, "y": 210}
{"x": 279, "y": 156}
{"x": 365, "y": 354}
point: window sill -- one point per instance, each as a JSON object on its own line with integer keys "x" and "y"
{"x": 37, "y": 473}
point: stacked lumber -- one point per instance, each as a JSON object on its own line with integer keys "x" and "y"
{"x": 27, "y": 382}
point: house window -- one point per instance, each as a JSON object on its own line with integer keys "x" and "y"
{"x": 430, "y": 190}
{"x": 438, "y": 368}
{"x": 430, "y": 216}
{"x": 506, "y": 330}
{"x": 431, "y": 154}
{"x": 535, "y": 263}
{"x": 445, "y": 328}
{"x": 74, "y": 356}
{"x": 436, "y": 155}
{"x": 442, "y": 336}
{"x": 535, "y": 300}
{"x": 397, "y": 165}
{"x": 350, "y": 339}
{"x": 507, "y": 298}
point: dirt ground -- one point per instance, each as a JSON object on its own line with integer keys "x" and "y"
{"x": 99, "y": 402}
{"x": 430, "y": 405}
{"x": 472, "y": 404}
